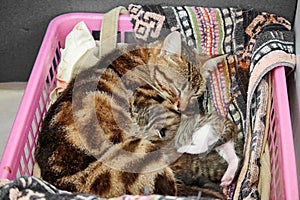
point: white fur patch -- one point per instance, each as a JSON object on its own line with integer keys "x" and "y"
{"x": 202, "y": 139}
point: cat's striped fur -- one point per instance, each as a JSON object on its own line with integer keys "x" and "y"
{"x": 96, "y": 137}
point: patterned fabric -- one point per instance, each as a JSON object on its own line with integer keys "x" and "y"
{"x": 201, "y": 27}
{"x": 273, "y": 46}
{"x": 27, "y": 188}
{"x": 34, "y": 188}
{"x": 256, "y": 43}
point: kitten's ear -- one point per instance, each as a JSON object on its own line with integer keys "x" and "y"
{"x": 172, "y": 43}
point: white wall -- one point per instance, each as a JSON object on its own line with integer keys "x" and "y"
{"x": 294, "y": 95}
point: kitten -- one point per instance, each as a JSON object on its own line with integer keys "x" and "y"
{"x": 210, "y": 137}
{"x": 92, "y": 138}
{"x": 201, "y": 134}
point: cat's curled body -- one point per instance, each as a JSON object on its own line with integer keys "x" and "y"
{"x": 94, "y": 138}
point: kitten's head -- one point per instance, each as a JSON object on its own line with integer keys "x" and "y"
{"x": 158, "y": 124}
{"x": 176, "y": 73}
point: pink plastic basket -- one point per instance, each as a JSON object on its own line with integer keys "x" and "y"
{"x": 18, "y": 156}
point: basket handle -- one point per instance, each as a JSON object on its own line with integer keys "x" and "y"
{"x": 109, "y": 30}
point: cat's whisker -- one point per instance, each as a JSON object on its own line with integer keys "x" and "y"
{"x": 145, "y": 137}
{"x": 158, "y": 133}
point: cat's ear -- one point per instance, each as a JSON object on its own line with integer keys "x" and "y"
{"x": 172, "y": 43}
{"x": 211, "y": 63}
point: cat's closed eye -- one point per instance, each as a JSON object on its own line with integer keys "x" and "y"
{"x": 162, "y": 132}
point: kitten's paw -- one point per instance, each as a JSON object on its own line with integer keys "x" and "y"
{"x": 227, "y": 178}
{"x": 229, "y": 174}
{"x": 228, "y": 153}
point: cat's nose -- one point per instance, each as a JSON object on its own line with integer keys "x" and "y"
{"x": 181, "y": 106}
{"x": 176, "y": 106}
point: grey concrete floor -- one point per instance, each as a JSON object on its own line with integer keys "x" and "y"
{"x": 10, "y": 97}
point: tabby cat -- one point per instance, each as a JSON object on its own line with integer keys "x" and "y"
{"x": 117, "y": 127}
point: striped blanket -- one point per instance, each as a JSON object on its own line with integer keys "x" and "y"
{"x": 255, "y": 42}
